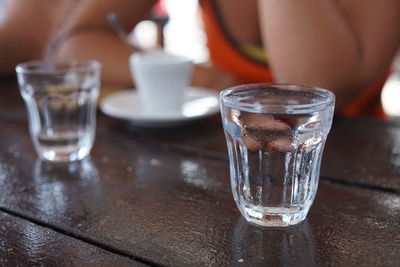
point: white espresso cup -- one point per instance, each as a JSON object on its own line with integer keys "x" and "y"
{"x": 160, "y": 79}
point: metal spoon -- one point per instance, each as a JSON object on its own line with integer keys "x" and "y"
{"x": 118, "y": 28}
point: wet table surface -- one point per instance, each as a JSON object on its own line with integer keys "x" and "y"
{"x": 163, "y": 197}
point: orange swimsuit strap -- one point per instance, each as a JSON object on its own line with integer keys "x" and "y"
{"x": 225, "y": 53}
{"x": 369, "y": 103}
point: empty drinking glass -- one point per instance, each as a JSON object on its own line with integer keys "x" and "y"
{"x": 275, "y": 135}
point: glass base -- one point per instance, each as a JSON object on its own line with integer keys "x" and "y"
{"x": 275, "y": 217}
{"x": 60, "y": 155}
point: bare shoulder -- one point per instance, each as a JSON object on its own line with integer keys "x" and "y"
{"x": 376, "y": 24}
{"x": 371, "y": 13}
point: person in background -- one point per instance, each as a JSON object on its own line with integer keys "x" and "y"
{"x": 26, "y": 29}
{"x": 345, "y": 46}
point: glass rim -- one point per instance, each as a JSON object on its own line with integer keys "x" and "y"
{"x": 147, "y": 58}
{"x": 79, "y": 65}
{"x": 327, "y": 101}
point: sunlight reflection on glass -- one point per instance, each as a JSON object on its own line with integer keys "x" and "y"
{"x": 199, "y": 107}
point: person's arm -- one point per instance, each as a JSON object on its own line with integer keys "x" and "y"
{"x": 27, "y": 28}
{"x": 98, "y": 41}
{"x": 338, "y": 44}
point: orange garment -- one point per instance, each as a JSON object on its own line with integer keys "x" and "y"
{"x": 369, "y": 103}
{"x": 226, "y": 53}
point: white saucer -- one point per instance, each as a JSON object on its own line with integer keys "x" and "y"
{"x": 198, "y": 103}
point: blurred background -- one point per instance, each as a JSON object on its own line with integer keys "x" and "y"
{"x": 182, "y": 32}
{"x": 176, "y": 25}
{"x": 183, "y": 35}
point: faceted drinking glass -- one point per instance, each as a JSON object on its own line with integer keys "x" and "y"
{"x": 275, "y": 135}
{"x": 61, "y": 103}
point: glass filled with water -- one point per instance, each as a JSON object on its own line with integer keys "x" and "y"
{"x": 275, "y": 135}
{"x": 61, "y": 102}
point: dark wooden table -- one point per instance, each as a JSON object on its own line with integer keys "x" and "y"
{"x": 163, "y": 197}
